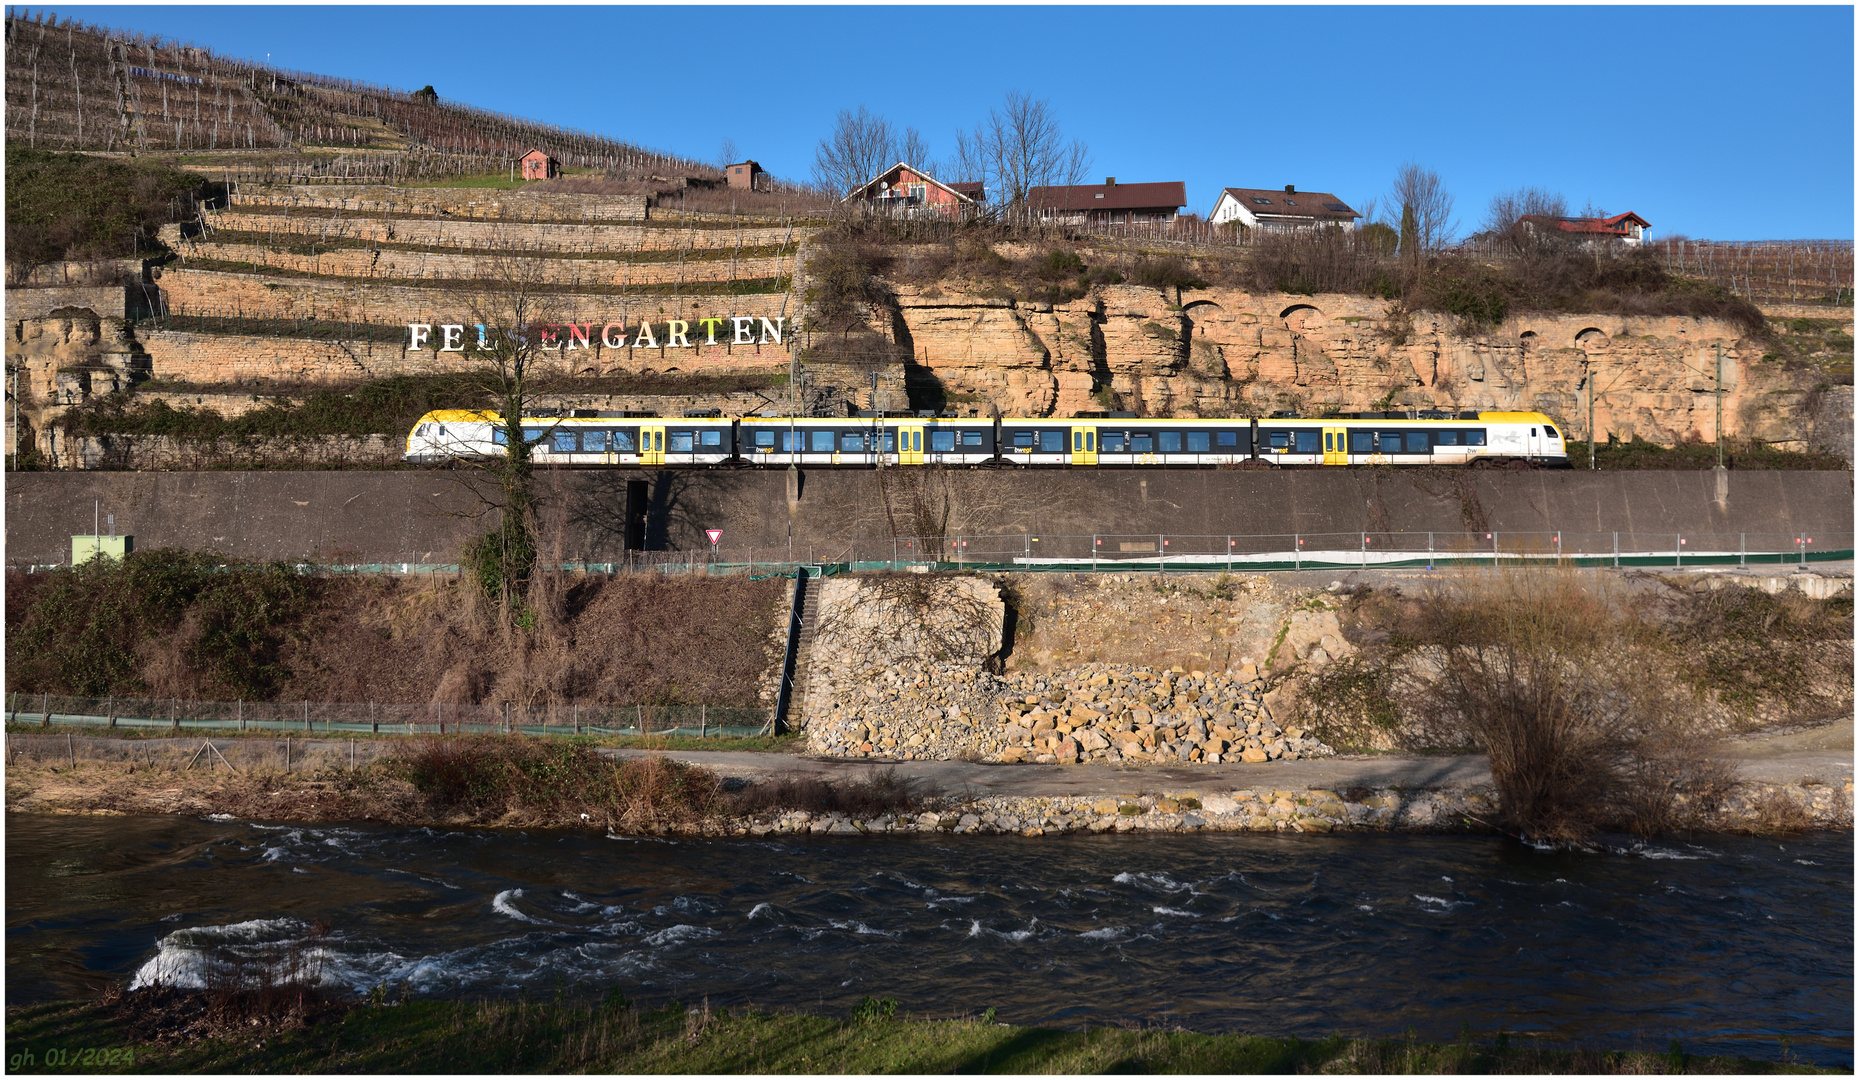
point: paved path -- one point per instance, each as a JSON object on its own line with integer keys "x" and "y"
{"x": 1822, "y": 752}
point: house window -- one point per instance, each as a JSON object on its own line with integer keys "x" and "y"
{"x": 918, "y": 191}
{"x": 1261, "y": 201}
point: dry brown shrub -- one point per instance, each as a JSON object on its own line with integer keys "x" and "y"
{"x": 1779, "y": 810}
{"x": 1571, "y": 701}
{"x": 878, "y": 792}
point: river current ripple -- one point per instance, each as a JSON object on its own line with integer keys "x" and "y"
{"x": 1727, "y": 943}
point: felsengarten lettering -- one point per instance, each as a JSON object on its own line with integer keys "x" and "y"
{"x": 575, "y": 336}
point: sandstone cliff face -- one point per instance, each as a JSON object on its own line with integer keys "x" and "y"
{"x": 1225, "y": 352}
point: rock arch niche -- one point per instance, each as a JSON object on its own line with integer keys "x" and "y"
{"x": 1302, "y": 318}
{"x": 1592, "y": 339}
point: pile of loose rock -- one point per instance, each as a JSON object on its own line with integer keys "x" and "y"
{"x": 1100, "y": 713}
{"x": 1117, "y": 713}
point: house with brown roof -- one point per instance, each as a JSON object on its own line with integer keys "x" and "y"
{"x": 903, "y": 190}
{"x": 1266, "y": 208}
{"x": 1628, "y": 228}
{"x": 1109, "y": 203}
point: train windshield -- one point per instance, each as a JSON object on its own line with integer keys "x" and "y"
{"x": 1550, "y": 431}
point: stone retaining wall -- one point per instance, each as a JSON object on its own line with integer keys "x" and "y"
{"x": 498, "y": 234}
{"x": 204, "y": 359}
{"x": 218, "y": 293}
{"x": 482, "y": 204}
{"x": 395, "y": 265}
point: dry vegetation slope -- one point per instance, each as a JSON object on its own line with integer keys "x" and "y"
{"x": 166, "y": 625}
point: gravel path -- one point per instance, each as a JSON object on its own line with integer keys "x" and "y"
{"x": 1823, "y": 752}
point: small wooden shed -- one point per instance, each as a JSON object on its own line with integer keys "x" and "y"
{"x": 540, "y": 166}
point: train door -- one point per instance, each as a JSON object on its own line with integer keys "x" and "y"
{"x": 1084, "y": 446}
{"x": 652, "y": 444}
{"x": 1335, "y": 446}
{"x": 910, "y": 444}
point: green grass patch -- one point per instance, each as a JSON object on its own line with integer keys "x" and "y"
{"x": 616, "y": 1036}
{"x": 78, "y": 207}
{"x": 86, "y": 629}
{"x": 382, "y": 407}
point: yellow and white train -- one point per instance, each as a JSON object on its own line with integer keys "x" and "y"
{"x": 582, "y": 438}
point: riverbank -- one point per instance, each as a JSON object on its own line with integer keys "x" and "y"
{"x": 1781, "y": 783}
{"x": 617, "y": 1037}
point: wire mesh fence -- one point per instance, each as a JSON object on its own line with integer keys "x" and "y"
{"x": 1180, "y": 553}
{"x": 326, "y": 718}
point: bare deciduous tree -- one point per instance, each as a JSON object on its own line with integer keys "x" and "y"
{"x": 1510, "y": 207}
{"x": 1017, "y": 148}
{"x": 1425, "y": 209}
{"x": 507, "y": 307}
{"x": 860, "y": 145}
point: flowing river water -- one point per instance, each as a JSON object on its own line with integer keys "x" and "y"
{"x": 1729, "y": 944}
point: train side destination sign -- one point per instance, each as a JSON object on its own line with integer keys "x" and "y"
{"x": 721, "y": 330}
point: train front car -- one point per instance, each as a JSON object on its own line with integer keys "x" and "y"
{"x": 450, "y": 435}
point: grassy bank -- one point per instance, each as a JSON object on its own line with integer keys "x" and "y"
{"x": 182, "y": 1035}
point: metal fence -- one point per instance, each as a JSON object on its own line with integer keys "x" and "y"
{"x": 1187, "y": 553}
{"x": 385, "y": 718}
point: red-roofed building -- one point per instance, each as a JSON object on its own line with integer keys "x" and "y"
{"x": 1628, "y": 228}
{"x": 1265, "y": 208}
{"x": 1109, "y": 203}
{"x": 907, "y": 191}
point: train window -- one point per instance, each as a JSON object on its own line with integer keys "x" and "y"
{"x": 565, "y": 442}
{"x": 1391, "y": 442}
{"x": 1228, "y": 438}
{"x": 1113, "y": 442}
{"x": 1052, "y": 442}
{"x": 1361, "y": 442}
{"x": 1077, "y": 441}
{"x": 534, "y": 435}
{"x": 853, "y": 442}
{"x": 821, "y": 442}
{"x": 1199, "y": 442}
{"x": 916, "y": 441}
{"x": 681, "y": 442}
{"x": 1170, "y": 442}
{"x": 1445, "y": 438}
{"x": 971, "y": 438}
{"x": 1280, "y": 440}
{"x": 1309, "y": 442}
{"x": 1475, "y": 438}
{"x": 764, "y": 440}
{"x": 623, "y": 442}
{"x": 1547, "y": 430}
{"x": 1142, "y": 442}
{"x": 713, "y": 437}
{"x": 1023, "y": 440}
{"x": 1416, "y": 442}
{"x": 942, "y": 442}
{"x": 1090, "y": 441}
{"x": 887, "y": 442}
{"x": 500, "y": 436}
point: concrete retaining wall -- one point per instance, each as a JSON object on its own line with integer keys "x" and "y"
{"x": 425, "y": 515}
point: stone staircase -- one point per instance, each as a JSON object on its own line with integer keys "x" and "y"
{"x": 803, "y": 653}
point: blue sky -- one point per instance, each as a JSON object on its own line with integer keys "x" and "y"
{"x": 1728, "y": 123}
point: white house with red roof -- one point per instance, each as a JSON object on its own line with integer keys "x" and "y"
{"x": 1628, "y": 228}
